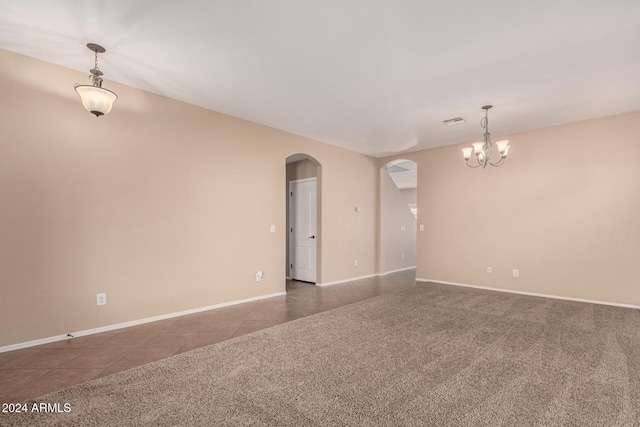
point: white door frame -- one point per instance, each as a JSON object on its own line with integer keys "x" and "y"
{"x": 291, "y": 235}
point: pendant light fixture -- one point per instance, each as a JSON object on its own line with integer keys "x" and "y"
{"x": 95, "y": 98}
{"x": 482, "y": 150}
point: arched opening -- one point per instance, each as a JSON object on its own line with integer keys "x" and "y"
{"x": 303, "y": 219}
{"x": 398, "y": 216}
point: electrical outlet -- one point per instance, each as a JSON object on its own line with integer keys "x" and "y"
{"x": 402, "y": 256}
{"x": 258, "y": 276}
{"x": 101, "y": 299}
{"x": 272, "y": 228}
{"x": 421, "y": 227}
{"x": 355, "y": 262}
{"x": 489, "y": 269}
{"x": 516, "y": 273}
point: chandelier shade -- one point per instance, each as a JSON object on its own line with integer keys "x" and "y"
{"x": 96, "y": 99}
{"x": 482, "y": 150}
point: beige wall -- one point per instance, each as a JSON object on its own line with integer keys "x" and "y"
{"x": 397, "y": 227}
{"x": 563, "y": 210}
{"x": 166, "y": 207}
{"x": 162, "y": 205}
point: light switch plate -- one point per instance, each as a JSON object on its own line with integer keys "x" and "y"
{"x": 101, "y": 299}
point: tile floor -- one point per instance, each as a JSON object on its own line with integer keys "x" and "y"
{"x": 35, "y": 371}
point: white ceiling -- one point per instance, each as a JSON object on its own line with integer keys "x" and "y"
{"x": 376, "y": 77}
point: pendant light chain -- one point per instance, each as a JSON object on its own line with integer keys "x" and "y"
{"x": 95, "y": 72}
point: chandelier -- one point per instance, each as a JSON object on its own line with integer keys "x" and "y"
{"x": 95, "y": 98}
{"x": 482, "y": 150}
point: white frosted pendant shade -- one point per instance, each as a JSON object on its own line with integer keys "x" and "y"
{"x": 478, "y": 147}
{"x": 95, "y": 99}
{"x": 502, "y": 146}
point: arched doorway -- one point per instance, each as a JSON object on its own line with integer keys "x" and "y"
{"x": 398, "y": 216}
{"x": 303, "y": 219}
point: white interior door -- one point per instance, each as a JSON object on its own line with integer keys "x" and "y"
{"x": 302, "y": 229}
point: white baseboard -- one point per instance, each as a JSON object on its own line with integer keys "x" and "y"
{"x": 533, "y": 294}
{"x": 396, "y": 271}
{"x": 132, "y": 323}
{"x": 363, "y": 277}
{"x": 345, "y": 280}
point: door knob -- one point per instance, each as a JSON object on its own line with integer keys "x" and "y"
{"x": 312, "y": 237}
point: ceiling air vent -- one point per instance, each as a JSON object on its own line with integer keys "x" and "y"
{"x": 454, "y": 121}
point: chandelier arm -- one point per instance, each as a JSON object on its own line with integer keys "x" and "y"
{"x": 498, "y": 163}
{"x": 476, "y": 166}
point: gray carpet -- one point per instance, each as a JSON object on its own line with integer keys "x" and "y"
{"x": 432, "y": 355}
